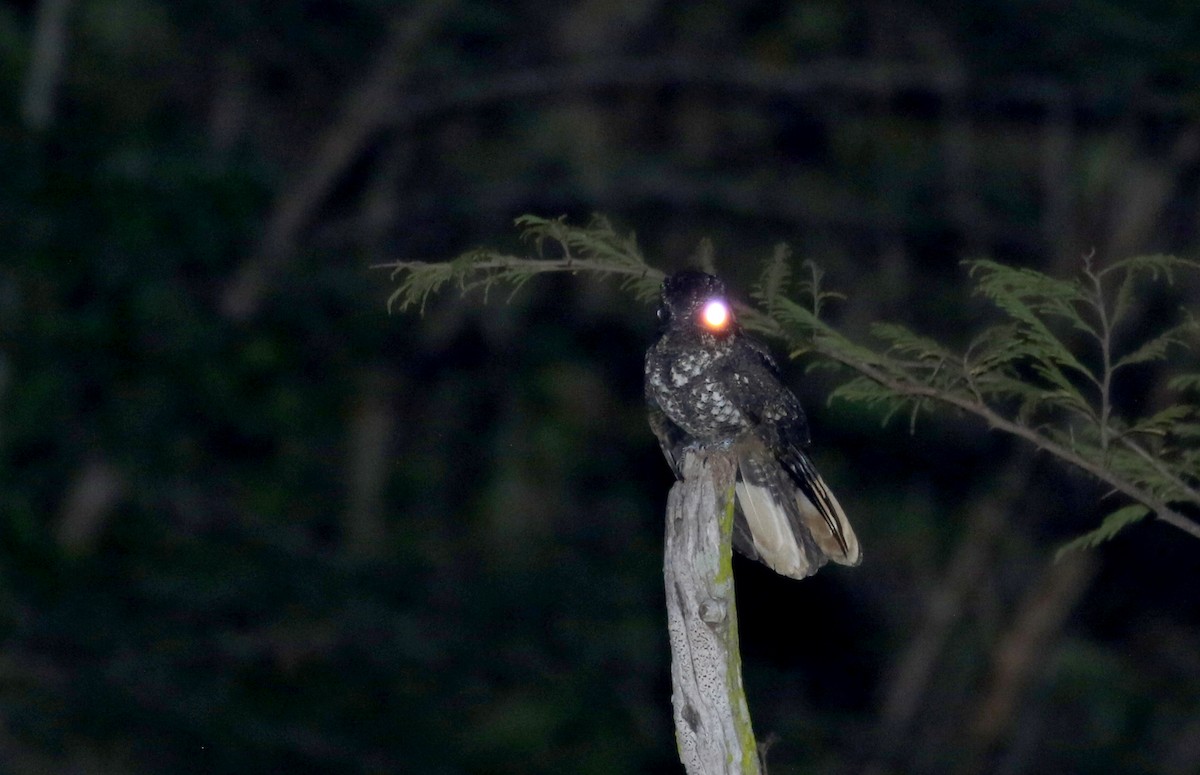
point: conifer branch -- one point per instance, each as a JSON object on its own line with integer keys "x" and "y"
{"x": 1030, "y": 376}
{"x": 596, "y": 248}
{"x": 980, "y": 409}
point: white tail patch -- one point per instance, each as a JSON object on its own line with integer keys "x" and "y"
{"x": 818, "y": 525}
{"x": 772, "y": 531}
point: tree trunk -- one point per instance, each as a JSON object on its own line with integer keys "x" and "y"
{"x": 712, "y": 723}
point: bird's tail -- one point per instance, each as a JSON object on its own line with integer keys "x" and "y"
{"x": 787, "y": 517}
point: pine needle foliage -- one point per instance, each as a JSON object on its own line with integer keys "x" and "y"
{"x": 595, "y": 248}
{"x": 1045, "y": 373}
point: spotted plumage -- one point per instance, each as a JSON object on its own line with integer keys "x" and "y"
{"x": 708, "y": 385}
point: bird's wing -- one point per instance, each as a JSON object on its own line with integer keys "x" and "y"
{"x": 775, "y": 469}
{"x": 762, "y": 367}
{"x": 670, "y": 436}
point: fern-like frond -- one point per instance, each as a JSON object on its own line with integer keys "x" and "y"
{"x": 1132, "y": 270}
{"x": 867, "y": 392}
{"x": 908, "y": 344}
{"x": 417, "y": 280}
{"x": 1156, "y": 348}
{"x": 773, "y": 281}
{"x": 1112, "y": 524}
{"x": 812, "y": 288}
{"x": 801, "y": 328}
{"x": 595, "y": 248}
{"x": 1165, "y": 421}
{"x": 1186, "y": 430}
{"x": 1185, "y": 383}
{"x": 1030, "y": 290}
{"x": 1030, "y": 298}
{"x": 1154, "y": 266}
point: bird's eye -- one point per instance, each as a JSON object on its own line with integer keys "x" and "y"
{"x": 715, "y": 315}
{"x": 664, "y": 314}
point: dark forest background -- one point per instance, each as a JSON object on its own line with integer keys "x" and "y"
{"x": 249, "y": 522}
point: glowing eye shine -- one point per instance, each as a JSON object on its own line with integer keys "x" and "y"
{"x": 716, "y": 315}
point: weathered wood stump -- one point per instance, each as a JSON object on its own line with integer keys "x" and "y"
{"x": 712, "y": 722}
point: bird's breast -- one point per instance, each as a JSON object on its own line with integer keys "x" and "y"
{"x": 685, "y": 386}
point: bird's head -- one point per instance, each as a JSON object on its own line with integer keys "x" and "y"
{"x": 696, "y": 302}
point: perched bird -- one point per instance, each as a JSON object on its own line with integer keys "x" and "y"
{"x": 708, "y": 385}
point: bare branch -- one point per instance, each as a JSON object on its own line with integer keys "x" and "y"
{"x": 372, "y": 425}
{"x": 45, "y": 64}
{"x": 1024, "y": 650}
{"x": 96, "y": 490}
{"x": 915, "y": 669}
{"x": 364, "y": 116}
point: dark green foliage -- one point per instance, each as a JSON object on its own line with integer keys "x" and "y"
{"x": 596, "y": 248}
{"x": 1025, "y": 376}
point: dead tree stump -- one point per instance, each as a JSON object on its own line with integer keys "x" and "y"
{"x": 712, "y": 722}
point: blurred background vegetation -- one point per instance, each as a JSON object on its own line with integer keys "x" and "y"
{"x": 251, "y": 523}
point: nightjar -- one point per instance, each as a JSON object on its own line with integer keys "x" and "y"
{"x": 708, "y": 385}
